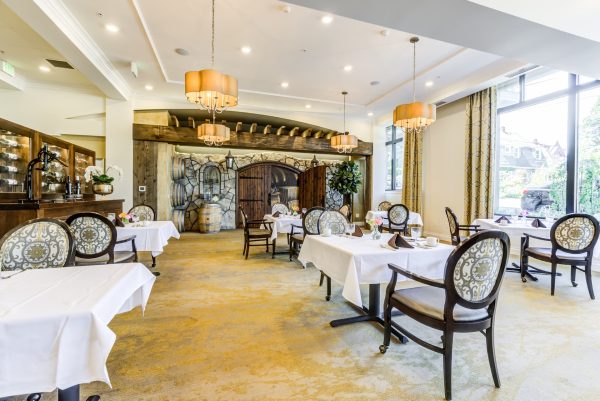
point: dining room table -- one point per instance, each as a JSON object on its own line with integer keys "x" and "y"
{"x": 355, "y": 261}
{"x": 283, "y": 224}
{"x": 54, "y": 330}
{"x": 150, "y": 236}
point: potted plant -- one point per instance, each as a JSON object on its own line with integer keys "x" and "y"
{"x": 346, "y": 180}
{"x": 103, "y": 180}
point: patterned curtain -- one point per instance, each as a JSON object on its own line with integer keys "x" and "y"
{"x": 413, "y": 169}
{"x": 480, "y": 137}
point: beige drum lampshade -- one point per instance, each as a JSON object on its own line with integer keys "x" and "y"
{"x": 414, "y": 115}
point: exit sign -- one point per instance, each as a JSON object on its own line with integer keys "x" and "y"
{"x": 7, "y": 68}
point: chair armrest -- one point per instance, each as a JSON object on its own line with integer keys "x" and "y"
{"x": 294, "y": 229}
{"x": 536, "y": 237}
{"x": 125, "y": 239}
{"x": 416, "y": 277}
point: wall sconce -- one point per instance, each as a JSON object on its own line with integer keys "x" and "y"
{"x": 314, "y": 162}
{"x": 230, "y": 161}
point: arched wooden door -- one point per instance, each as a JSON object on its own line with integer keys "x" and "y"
{"x": 260, "y": 185}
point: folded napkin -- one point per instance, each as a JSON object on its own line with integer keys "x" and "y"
{"x": 503, "y": 218}
{"x": 276, "y": 214}
{"x": 119, "y": 223}
{"x": 537, "y": 223}
{"x": 398, "y": 242}
{"x": 357, "y": 232}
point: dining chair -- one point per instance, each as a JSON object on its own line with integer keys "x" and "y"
{"x": 456, "y": 228}
{"x": 397, "y": 216}
{"x": 464, "y": 302}
{"x": 37, "y": 244}
{"x": 384, "y": 206}
{"x": 95, "y": 240}
{"x": 143, "y": 212}
{"x": 256, "y": 231}
{"x": 345, "y": 210}
{"x": 279, "y": 207}
{"x": 572, "y": 241}
{"x": 310, "y": 226}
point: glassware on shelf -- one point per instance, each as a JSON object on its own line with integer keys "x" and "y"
{"x": 14, "y": 156}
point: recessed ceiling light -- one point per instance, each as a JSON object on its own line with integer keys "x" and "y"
{"x": 182, "y": 52}
{"x": 384, "y": 32}
{"x": 44, "y": 68}
{"x": 429, "y": 83}
{"x": 149, "y": 87}
{"x": 287, "y": 9}
{"x": 348, "y": 67}
{"x": 308, "y": 106}
{"x": 370, "y": 114}
{"x": 111, "y": 28}
{"x": 374, "y": 83}
{"x": 327, "y": 19}
{"x": 285, "y": 84}
{"x": 246, "y": 49}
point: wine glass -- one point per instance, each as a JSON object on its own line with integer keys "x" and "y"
{"x": 304, "y": 210}
{"x": 415, "y": 233}
{"x": 350, "y": 228}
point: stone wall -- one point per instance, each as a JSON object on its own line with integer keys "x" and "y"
{"x": 195, "y": 165}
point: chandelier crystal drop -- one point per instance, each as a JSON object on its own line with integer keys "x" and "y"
{"x": 344, "y": 142}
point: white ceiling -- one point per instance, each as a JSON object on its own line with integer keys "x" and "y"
{"x": 26, "y": 50}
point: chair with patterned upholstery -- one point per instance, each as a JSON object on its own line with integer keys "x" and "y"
{"x": 143, "y": 212}
{"x": 256, "y": 231}
{"x": 95, "y": 240}
{"x": 279, "y": 207}
{"x": 465, "y": 301}
{"x": 572, "y": 239}
{"x": 456, "y": 228}
{"x": 384, "y": 206}
{"x": 37, "y": 244}
{"x": 335, "y": 220}
{"x": 345, "y": 210}
{"x": 397, "y": 216}
{"x": 310, "y": 226}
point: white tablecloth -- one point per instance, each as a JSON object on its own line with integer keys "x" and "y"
{"x": 517, "y": 229}
{"x": 54, "y": 323}
{"x": 283, "y": 224}
{"x": 413, "y": 218}
{"x": 151, "y": 238}
{"x": 354, "y": 261}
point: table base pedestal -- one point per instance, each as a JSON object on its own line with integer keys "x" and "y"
{"x": 72, "y": 394}
{"x": 370, "y": 314}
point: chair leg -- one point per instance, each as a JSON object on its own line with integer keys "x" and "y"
{"x": 328, "y": 296}
{"x": 247, "y": 248}
{"x": 489, "y": 338}
{"x": 291, "y": 250}
{"x": 387, "y": 328}
{"x": 524, "y": 261}
{"x": 588, "y": 279}
{"x": 153, "y": 261}
{"x": 448, "y": 337}
{"x": 34, "y": 397}
{"x": 273, "y": 250}
{"x": 321, "y": 279}
{"x": 553, "y": 279}
{"x": 573, "y": 274}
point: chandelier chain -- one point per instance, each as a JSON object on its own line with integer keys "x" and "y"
{"x": 414, "y": 70}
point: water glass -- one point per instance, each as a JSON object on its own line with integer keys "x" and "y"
{"x": 351, "y": 227}
{"x": 415, "y": 233}
{"x": 304, "y": 210}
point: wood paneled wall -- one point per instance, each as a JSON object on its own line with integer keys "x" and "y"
{"x": 145, "y": 156}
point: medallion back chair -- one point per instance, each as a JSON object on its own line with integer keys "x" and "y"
{"x": 256, "y": 233}
{"x": 465, "y": 301}
{"x": 337, "y": 222}
{"x": 145, "y": 213}
{"x": 95, "y": 240}
{"x": 384, "y": 206}
{"x": 279, "y": 207}
{"x": 572, "y": 241}
{"x": 310, "y": 226}
{"x": 345, "y": 210}
{"x": 455, "y": 228}
{"x": 397, "y": 216}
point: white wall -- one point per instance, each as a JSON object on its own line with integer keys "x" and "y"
{"x": 444, "y": 168}
{"x": 119, "y": 147}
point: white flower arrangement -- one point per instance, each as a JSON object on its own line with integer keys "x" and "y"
{"x": 95, "y": 173}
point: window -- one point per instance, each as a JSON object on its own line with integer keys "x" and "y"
{"x": 394, "y": 148}
{"x": 548, "y": 155}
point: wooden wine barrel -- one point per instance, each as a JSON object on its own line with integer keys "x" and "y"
{"x": 178, "y": 197}
{"x": 209, "y": 218}
{"x": 178, "y": 218}
{"x": 177, "y": 168}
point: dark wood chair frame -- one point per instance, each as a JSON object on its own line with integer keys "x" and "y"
{"x": 110, "y": 249}
{"x": 455, "y": 235}
{"x": 154, "y": 219}
{"x": 449, "y": 326}
{"x": 402, "y": 227}
{"x": 295, "y": 244}
{"x": 251, "y": 239}
{"x": 556, "y": 260}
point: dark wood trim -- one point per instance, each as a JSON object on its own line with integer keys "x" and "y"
{"x": 244, "y": 140}
{"x": 270, "y": 163}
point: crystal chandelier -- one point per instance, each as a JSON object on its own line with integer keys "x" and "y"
{"x": 214, "y": 92}
{"x": 414, "y": 115}
{"x": 344, "y": 143}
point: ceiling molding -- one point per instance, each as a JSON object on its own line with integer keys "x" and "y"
{"x": 52, "y": 20}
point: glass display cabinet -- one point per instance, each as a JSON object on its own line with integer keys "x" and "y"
{"x": 54, "y": 179}
{"x": 15, "y": 153}
{"x": 82, "y": 159}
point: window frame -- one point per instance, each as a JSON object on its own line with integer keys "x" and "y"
{"x": 395, "y": 140}
{"x": 571, "y": 92}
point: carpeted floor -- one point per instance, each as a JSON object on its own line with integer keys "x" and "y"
{"x": 218, "y": 327}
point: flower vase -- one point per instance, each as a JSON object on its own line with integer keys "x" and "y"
{"x": 375, "y": 234}
{"x": 102, "y": 189}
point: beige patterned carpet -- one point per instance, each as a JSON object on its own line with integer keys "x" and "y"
{"x": 218, "y": 327}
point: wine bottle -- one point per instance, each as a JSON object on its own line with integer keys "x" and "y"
{"x": 77, "y": 185}
{"x": 8, "y": 169}
{"x": 8, "y": 156}
{"x": 8, "y": 181}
